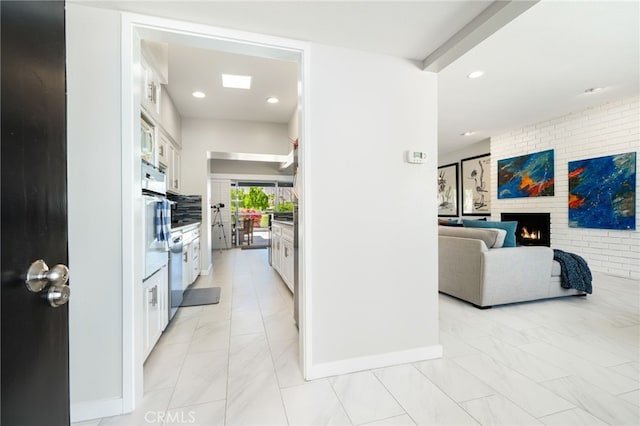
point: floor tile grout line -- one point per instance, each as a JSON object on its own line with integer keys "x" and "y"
{"x": 344, "y": 409}
{"x": 459, "y": 404}
{"x": 273, "y": 363}
{"x": 393, "y": 396}
{"x": 507, "y": 396}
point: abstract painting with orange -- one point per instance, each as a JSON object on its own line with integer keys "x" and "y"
{"x": 602, "y": 192}
{"x": 530, "y": 175}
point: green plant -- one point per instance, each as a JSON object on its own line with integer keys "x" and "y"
{"x": 285, "y": 207}
{"x": 256, "y": 199}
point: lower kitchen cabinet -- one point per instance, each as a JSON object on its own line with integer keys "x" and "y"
{"x": 282, "y": 258}
{"x": 155, "y": 314}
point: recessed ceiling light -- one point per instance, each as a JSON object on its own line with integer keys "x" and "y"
{"x": 593, "y": 90}
{"x": 236, "y": 81}
{"x": 476, "y": 74}
{"x": 198, "y": 94}
{"x": 467, "y": 133}
{"x": 273, "y": 100}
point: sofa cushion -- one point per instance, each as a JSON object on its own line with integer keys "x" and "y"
{"x": 556, "y": 269}
{"x": 510, "y": 227}
{"x": 491, "y": 237}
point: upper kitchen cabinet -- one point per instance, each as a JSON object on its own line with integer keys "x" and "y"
{"x": 155, "y": 73}
{"x": 171, "y": 164}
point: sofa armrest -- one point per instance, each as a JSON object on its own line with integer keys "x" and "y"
{"x": 515, "y": 274}
{"x": 460, "y": 267}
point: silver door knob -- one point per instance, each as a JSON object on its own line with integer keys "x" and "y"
{"x": 58, "y": 295}
{"x": 39, "y": 276}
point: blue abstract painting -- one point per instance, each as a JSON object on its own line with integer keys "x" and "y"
{"x": 528, "y": 175}
{"x": 602, "y": 192}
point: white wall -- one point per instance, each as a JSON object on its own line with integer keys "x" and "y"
{"x": 374, "y": 287}
{"x": 612, "y": 128}
{"x": 95, "y": 226}
{"x": 478, "y": 148}
{"x": 199, "y": 137}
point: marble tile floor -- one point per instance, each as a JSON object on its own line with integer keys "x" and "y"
{"x": 569, "y": 361}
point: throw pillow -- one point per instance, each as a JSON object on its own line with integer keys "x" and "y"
{"x": 502, "y": 234}
{"x": 510, "y": 227}
{"x": 490, "y": 237}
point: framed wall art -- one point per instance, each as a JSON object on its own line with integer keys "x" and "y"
{"x": 476, "y": 195}
{"x": 448, "y": 190}
{"x": 602, "y": 192}
{"x": 530, "y": 175}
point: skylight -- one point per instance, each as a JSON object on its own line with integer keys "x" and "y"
{"x": 236, "y": 81}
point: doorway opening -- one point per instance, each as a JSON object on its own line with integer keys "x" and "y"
{"x": 253, "y": 207}
{"x": 136, "y": 28}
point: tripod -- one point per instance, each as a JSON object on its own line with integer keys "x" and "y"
{"x": 217, "y": 223}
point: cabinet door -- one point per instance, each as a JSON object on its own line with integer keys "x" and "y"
{"x": 175, "y": 166}
{"x": 276, "y": 258}
{"x": 151, "y": 312}
{"x": 186, "y": 266}
{"x": 150, "y": 92}
{"x": 195, "y": 259}
{"x": 287, "y": 263}
{"x": 163, "y": 298}
{"x": 163, "y": 153}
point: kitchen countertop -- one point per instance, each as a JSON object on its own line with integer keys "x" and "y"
{"x": 181, "y": 226}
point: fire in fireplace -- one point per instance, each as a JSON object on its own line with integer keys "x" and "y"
{"x": 534, "y": 229}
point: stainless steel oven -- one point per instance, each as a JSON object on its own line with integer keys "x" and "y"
{"x": 153, "y": 192}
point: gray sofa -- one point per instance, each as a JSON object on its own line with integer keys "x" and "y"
{"x": 487, "y": 276}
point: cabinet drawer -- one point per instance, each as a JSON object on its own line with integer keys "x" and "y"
{"x": 287, "y": 233}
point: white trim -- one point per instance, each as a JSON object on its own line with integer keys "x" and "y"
{"x": 206, "y": 271}
{"x": 305, "y": 317}
{"x": 89, "y": 410}
{"x": 375, "y": 361}
{"x": 250, "y": 177}
{"x": 135, "y": 25}
{"x": 128, "y": 221}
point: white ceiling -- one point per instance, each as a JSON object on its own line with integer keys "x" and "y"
{"x": 192, "y": 69}
{"x": 536, "y": 67}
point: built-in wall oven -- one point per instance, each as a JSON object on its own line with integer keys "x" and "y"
{"x": 154, "y": 189}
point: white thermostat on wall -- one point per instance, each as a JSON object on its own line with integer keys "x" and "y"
{"x": 416, "y": 157}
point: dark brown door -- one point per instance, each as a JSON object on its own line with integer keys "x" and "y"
{"x": 35, "y": 337}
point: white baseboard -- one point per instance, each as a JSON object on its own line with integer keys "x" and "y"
{"x": 89, "y": 410}
{"x": 375, "y": 361}
{"x": 206, "y": 271}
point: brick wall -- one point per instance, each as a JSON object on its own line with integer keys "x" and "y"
{"x": 612, "y": 128}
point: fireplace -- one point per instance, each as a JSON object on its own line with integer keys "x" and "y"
{"x": 534, "y": 229}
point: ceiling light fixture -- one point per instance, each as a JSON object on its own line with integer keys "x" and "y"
{"x": 236, "y": 81}
{"x": 198, "y": 94}
{"x": 476, "y": 74}
{"x": 273, "y": 100}
{"x": 467, "y": 133}
{"x": 593, "y": 90}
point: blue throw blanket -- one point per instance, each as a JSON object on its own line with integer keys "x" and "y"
{"x": 162, "y": 220}
{"x": 574, "y": 271}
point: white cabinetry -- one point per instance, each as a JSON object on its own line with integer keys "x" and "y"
{"x": 172, "y": 164}
{"x": 282, "y": 258}
{"x": 155, "y": 310}
{"x": 195, "y": 259}
{"x": 190, "y": 255}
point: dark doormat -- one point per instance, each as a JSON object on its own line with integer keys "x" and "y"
{"x": 252, "y": 247}
{"x": 201, "y": 296}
